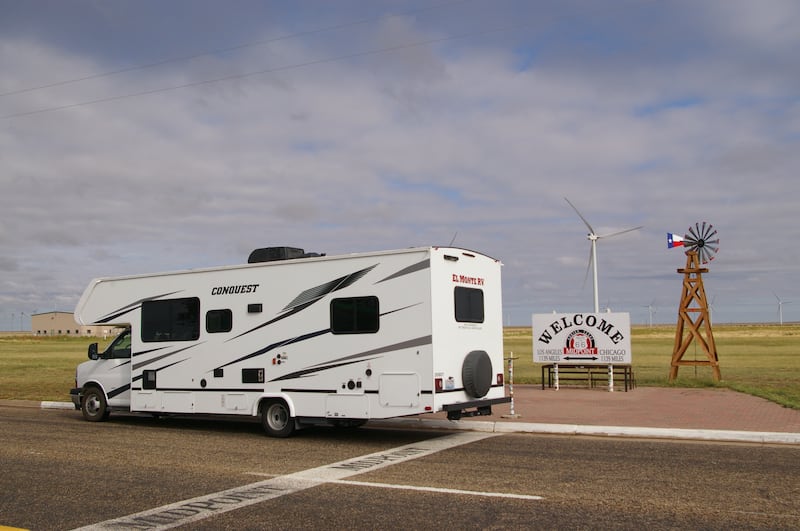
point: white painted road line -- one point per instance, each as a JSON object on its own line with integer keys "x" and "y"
{"x": 202, "y": 507}
{"x": 439, "y": 489}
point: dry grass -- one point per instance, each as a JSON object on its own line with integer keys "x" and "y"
{"x": 40, "y": 368}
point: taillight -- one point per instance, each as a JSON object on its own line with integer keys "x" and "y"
{"x": 500, "y": 378}
{"x": 438, "y": 384}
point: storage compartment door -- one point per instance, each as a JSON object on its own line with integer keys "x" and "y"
{"x": 399, "y": 389}
{"x": 347, "y": 406}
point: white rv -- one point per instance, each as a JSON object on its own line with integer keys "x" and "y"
{"x": 301, "y": 338}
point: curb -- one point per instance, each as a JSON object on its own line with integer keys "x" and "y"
{"x": 598, "y": 431}
{"x": 57, "y": 405}
{"x": 551, "y": 429}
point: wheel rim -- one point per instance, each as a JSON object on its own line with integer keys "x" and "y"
{"x": 92, "y": 405}
{"x": 277, "y": 417}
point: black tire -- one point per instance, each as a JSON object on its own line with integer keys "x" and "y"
{"x": 476, "y": 373}
{"x": 276, "y": 418}
{"x": 93, "y": 405}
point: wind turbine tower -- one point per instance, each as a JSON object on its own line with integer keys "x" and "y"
{"x": 593, "y": 237}
{"x": 651, "y": 309}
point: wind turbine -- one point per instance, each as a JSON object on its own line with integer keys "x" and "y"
{"x": 593, "y": 237}
{"x": 781, "y": 302}
{"x": 651, "y": 309}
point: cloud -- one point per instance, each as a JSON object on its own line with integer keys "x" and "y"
{"x": 659, "y": 115}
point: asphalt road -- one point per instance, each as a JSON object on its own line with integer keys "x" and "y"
{"x": 60, "y": 472}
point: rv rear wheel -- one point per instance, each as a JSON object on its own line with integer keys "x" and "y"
{"x": 476, "y": 373}
{"x": 276, "y": 419}
{"x": 94, "y": 406}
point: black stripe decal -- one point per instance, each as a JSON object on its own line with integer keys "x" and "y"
{"x": 411, "y": 343}
{"x": 419, "y": 266}
{"x": 314, "y": 294}
{"x": 312, "y": 370}
{"x": 119, "y": 390}
{"x": 401, "y": 309}
{"x": 277, "y": 345}
{"x": 276, "y": 319}
{"x": 310, "y": 296}
{"x": 159, "y": 358}
{"x": 132, "y": 306}
{"x": 148, "y": 351}
{"x": 355, "y": 358}
{"x": 136, "y": 378}
{"x": 202, "y": 390}
{"x": 314, "y": 391}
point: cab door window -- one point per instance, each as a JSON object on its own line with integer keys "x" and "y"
{"x": 120, "y": 347}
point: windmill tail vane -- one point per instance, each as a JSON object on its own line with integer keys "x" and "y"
{"x": 673, "y": 240}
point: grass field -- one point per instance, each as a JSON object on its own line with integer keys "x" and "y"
{"x": 762, "y": 360}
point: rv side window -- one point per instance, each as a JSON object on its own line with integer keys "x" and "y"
{"x": 354, "y": 315}
{"x": 469, "y": 305}
{"x": 171, "y": 320}
{"x": 219, "y": 321}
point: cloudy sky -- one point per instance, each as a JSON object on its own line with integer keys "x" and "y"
{"x": 141, "y": 136}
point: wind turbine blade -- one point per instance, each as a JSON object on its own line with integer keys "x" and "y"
{"x": 591, "y": 230}
{"x": 588, "y": 267}
{"x": 620, "y": 232}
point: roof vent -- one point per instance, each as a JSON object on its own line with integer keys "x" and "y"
{"x": 273, "y": 254}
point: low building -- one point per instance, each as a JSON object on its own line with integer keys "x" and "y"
{"x": 63, "y": 324}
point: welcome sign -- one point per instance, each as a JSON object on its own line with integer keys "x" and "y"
{"x": 582, "y": 338}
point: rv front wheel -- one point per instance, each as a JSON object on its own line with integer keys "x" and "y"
{"x": 276, "y": 419}
{"x": 94, "y": 406}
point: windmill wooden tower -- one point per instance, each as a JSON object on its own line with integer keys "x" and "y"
{"x": 694, "y": 322}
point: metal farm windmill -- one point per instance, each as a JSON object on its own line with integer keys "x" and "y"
{"x": 701, "y": 244}
{"x": 593, "y": 237}
{"x": 700, "y": 240}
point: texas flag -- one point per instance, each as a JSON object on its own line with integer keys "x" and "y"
{"x": 673, "y": 240}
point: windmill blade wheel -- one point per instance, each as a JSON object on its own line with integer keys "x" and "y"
{"x": 703, "y": 240}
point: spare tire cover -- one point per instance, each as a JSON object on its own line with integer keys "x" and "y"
{"x": 476, "y": 373}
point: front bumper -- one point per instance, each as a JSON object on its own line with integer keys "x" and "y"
{"x": 75, "y": 395}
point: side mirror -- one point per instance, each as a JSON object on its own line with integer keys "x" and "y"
{"x": 93, "y": 355}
